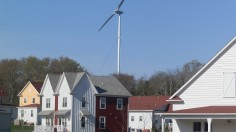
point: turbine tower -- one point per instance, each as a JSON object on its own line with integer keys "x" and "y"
{"x": 117, "y": 11}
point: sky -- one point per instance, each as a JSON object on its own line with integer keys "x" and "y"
{"x": 156, "y": 35}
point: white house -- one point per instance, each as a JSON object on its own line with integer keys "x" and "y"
{"x": 48, "y": 99}
{"x": 141, "y": 112}
{"x": 207, "y": 102}
{"x": 29, "y": 103}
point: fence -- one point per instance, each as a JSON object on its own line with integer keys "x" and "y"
{"x": 59, "y": 128}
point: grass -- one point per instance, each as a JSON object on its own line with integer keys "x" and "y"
{"x": 18, "y": 128}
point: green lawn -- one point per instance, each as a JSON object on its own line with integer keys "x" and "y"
{"x": 16, "y": 128}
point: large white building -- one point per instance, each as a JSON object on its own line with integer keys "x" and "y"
{"x": 207, "y": 102}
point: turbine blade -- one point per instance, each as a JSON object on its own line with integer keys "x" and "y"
{"x": 106, "y": 21}
{"x": 118, "y": 7}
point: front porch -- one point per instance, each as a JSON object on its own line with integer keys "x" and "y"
{"x": 203, "y": 119}
{"x": 201, "y": 123}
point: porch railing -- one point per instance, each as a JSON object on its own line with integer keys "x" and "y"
{"x": 60, "y": 128}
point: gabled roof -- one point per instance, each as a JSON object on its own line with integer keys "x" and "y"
{"x": 108, "y": 86}
{"x": 205, "y": 68}
{"x": 36, "y": 85}
{"x": 54, "y": 78}
{"x": 70, "y": 77}
{"x": 79, "y": 75}
{"x": 147, "y": 102}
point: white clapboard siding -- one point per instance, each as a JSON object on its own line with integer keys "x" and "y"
{"x": 208, "y": 89}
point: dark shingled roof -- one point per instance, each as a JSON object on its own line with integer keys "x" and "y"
{"x": 73, "y": 78}
{"x": 109, "y": 85}
{"x": 54, "y": 78}
{"x": 37, "y": 85}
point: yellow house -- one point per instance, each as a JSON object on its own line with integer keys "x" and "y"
{"x": 30, "y": 94}
{"x": 29, "y": 103}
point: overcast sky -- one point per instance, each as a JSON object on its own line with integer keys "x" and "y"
{"x": 157, "y": 35}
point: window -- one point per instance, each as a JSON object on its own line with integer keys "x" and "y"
{"x": 83, "y": 102}
{"x": 102, "y": 103}
{"x": 25, "y": 100}
{"x": 140, "y": 118}
{"x": 63, "y": 121}
{"x": 32, "y": 113}
{"x": 229, "y": 85}
{"x": 48, "y": 121}
{"x": 22, "y": 113}
{"x": 132, "y": 118}
{"x": 47, "y": 102}
{"x": 59, "y": 121}
{"x": 33, "y": 100}
{"x": 119, "y": 105}
{"x": 83, "y": 122}
{"x": 102, "y": 122}
{"x": 197, "y": 126}
{"x": 64, "y": 102}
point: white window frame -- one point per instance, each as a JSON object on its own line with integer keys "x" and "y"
{"x": 64, "y": 102}
{"x": 119, "y": 104}
{"x": 103, "y": 102}
{"x": 102, "y": 121}
{"x": 48, "y": 102}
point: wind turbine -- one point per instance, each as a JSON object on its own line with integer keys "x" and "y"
{"x": 117, "y": 11}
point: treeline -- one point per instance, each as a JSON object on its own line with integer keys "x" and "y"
{"x": 161, "y": 82}
{"x": 15, "y": 73}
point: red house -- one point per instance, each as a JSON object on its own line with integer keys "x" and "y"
{"x": 111, "y": 104}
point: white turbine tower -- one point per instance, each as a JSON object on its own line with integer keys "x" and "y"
{"x": 117, "y": 11}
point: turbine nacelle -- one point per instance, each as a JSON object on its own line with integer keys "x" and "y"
{"x": 118, "y": 12}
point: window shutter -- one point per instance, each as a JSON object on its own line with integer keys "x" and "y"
{"x": 229, "y": 85}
